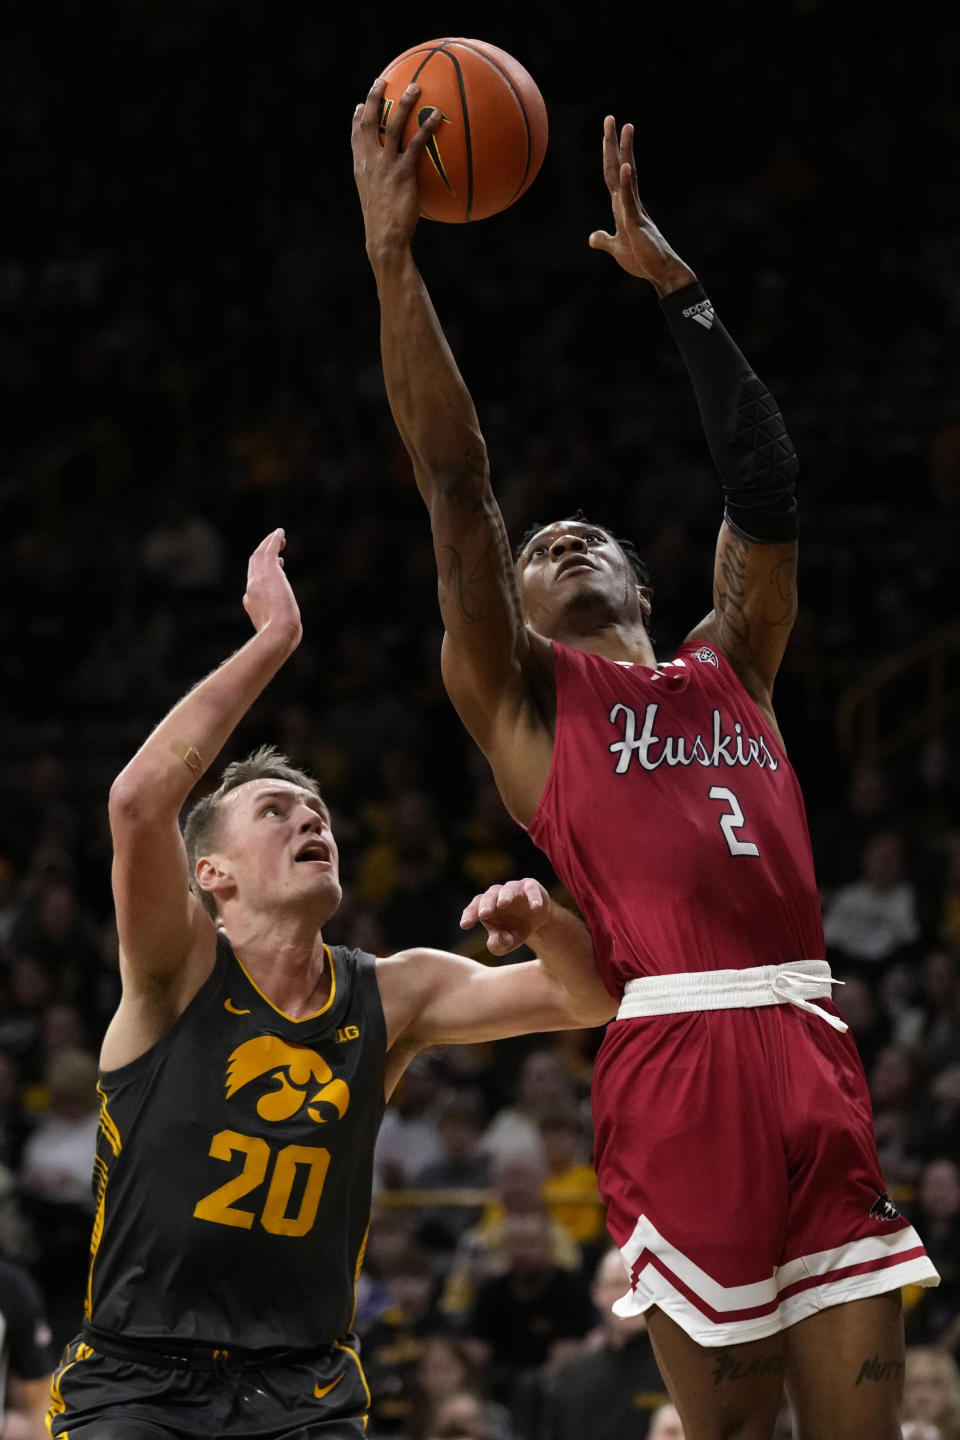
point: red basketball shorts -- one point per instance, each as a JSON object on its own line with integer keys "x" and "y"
{"x": 736, "y": 1155}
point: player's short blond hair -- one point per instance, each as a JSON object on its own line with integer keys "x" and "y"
{"x": 203, "y": 819}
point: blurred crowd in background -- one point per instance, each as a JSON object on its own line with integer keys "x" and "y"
{"x": 188, "y": 358}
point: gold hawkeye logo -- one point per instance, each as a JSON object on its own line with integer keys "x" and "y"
{"x": 303, "y": 1080}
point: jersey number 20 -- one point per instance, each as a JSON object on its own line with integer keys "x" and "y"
{"x": 221, "y": 1207}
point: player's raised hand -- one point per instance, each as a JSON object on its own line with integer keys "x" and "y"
{"x": 385, "y": 174}
{"x": 509, "y": 913}
{"x": 269, "y": 599}
{"x": 636, "y": 244}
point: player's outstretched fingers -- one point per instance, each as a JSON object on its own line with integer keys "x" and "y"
{"x": 269, "y": 547}
{"x": 399, "y": 114}
{"x": 366, "y": 116}
{"x": 533, "y": 893}
{"x": 471, "y": 915}
{"x": 611, "y": 153}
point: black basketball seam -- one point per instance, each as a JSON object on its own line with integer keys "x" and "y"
{"x": 428, "y": 56}
{"x": 517, "y": 96}
{"x": 468, "y": 146}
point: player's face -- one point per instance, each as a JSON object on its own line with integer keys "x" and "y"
{"x": 275, "y": 839}
{"x": 571, "y": 568}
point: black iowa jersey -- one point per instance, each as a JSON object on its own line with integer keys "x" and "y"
{"x": 234, "y": 1167}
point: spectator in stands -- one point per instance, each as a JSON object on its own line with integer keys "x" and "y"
{"x": 27, "y": 1356}
{"x": 533, "y": 1313}
{"x": 933, "y": 798}
{"x": 518, "y": 1181}
{"x": 30, "y": 989}
{"x": 487, "y": 842}
{"x": 948, "y": 918}
{"x": 58, "y": 1157}
{"x": 56, "y": 927}
{"x": 466, "y": 1416}
{"x": 611, "y": 1388}
{"x": 408, "y": 825}
{"x": 943, "y": 1048}
{"x": 452, "y": 1367}
{"x": 57, "y": 1183}
{"x": 393, "y": 1341}
{"x": 872, "y": 921}
{"x": 392, "y": 1238}
{"x": 931, "y": 1391}
{"x": 543, "y": 1084}
{"x": 926, "y": 1023}
{"x": 941, "y": 1127}
{"x": 935, "y": 1319}
{"x": 461, "y": 1166}
{"x": 856, "y": 1000}
{"x": 13, "y": 1226}
{"x": 14, "y": 1123}
{"x": 570, "y": 1187}
{"x": 409, "y": 1138}
{"x": 896, "y": 1119}
{"x": 840, "y": 833}
{"x": 666, "y": 1424}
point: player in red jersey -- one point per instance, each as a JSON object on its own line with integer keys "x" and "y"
{"x": 734, "y": 1137}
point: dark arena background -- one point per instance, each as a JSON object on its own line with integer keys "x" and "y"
{"x": 189, "y": 358}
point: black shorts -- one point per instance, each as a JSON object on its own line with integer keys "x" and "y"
{"x": 97, "y": 1396}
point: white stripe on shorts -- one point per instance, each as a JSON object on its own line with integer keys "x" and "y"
{"x": 713, "y": 1314}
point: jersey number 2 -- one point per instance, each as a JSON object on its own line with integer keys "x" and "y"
{"x": 732, "y": 822}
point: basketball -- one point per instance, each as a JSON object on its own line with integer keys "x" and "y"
{"x": 493, "y": 137}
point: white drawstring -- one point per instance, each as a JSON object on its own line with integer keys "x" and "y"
{"x": 782, "y": 985}
{"x": 797, "y": 983}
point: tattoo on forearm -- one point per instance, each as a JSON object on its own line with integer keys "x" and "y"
{"x": 469, "y": 589}
{"x": 727, "y": 1367}
{"x": 873, "y": 1368}
{"x": 783, "y": 578}
{"x": 731, "y": 593}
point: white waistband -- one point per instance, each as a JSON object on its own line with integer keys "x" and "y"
{"x": 798, "y": 983}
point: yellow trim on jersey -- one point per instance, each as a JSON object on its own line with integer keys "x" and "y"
{"x": 302, "y": 1019}
{"x": 101, "y": 1175}
{"x": 107, "y": 1123}
{"x": 339, "y": 1345}
{"x": 356, "y": 1273}
{"x": 57, "y": 1403}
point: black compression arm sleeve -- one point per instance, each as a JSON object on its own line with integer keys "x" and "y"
{"x": 744, "y": 428}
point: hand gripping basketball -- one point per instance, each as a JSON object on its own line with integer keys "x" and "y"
{"x": 488, "y": 145}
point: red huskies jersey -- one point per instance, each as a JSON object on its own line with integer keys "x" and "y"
{"x": 675, "y": 820}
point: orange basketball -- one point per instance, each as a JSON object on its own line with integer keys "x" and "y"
{"x": 494, "y": 132}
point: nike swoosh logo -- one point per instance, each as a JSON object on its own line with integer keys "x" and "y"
{"x": 321, "y": 1390}
{"x": 229, "y": 1005}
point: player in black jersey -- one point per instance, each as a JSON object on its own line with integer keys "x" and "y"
{"x": 244, "y": 1076}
